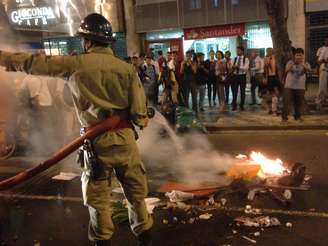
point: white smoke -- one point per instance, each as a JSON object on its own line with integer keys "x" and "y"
{"x": 190, "y": 158}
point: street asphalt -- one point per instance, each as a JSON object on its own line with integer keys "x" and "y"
{"x": 50, "y": 212}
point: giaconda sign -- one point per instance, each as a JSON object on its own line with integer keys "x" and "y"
{"x": 37, "y": 16}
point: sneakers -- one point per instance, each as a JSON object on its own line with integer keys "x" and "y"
{"x": 144, "y": 239}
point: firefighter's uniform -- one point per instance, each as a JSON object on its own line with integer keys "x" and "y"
{"x": 101, "y": 82}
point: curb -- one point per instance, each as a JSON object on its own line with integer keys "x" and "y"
{"x": 214, "y": 127}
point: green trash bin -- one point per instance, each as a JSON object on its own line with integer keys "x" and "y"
{"x": 187, "y": 122}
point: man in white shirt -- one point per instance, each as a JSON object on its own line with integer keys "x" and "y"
{"x": 257, "y": 70}
{"x": 323, "y": 74}
{"x": 42, "y": 113}
{"x": 240, "y": 67}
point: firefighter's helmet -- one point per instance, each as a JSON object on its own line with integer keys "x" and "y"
{"x": 96, "y": 27}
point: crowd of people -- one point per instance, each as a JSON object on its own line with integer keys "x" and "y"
{"x": 224, "y": 79}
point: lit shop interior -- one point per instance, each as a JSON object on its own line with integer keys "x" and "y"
{"x": 257, "y": 36}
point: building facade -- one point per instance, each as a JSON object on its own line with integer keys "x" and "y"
{"x": 203, "y": 25}
{"x": 52, "y": 23}
{"x": 316, "y": 26}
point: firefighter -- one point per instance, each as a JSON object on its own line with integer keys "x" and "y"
{"x": 102, "y": 85}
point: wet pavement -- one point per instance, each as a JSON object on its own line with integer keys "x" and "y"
{"x": 51, "y": 212}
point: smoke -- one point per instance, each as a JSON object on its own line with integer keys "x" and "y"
{"x": 37, "y": 130}
{"x": 190, "y": 158}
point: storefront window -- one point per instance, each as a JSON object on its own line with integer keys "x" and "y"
{"x": 234, "y": 2}
{"x": 170, "y": 34}
{"x": 206, "y": 45}
{"x": 258, "y": 36}
{"x": 216, "y": 3}
{"x": 195, "y": 4}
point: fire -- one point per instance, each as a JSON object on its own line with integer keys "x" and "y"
{"x": 268, "y": 167}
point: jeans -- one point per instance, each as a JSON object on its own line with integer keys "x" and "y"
{"x": 293, "y": 97}
{"x": 255, "y": 82}
{"x": 239, "y": 81}
{"x": 220, "y": 90}
{"x": 211, "y": 90}
{"x": 202, "y": 89}
{"x": 197, "y": 91}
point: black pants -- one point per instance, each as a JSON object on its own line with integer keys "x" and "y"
{"x": 211, "y": 89}
{"x": 293, "y": 97}
{"x": 186, "y": 92}
{"x": 239, "y": 81}
{"x": 227, "y": 91}
{"x": 254, "y": 84}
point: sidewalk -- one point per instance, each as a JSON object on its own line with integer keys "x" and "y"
{"x": 257, "y": 117}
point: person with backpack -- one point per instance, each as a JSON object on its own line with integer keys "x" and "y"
{"x": 240, "y": 67}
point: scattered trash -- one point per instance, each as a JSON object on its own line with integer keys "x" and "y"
{"x": 249, "y": 239}
{"x": 248, "y": 209}
{"x": 234, "y": 232}
{"x": 223, "y": 201}
{"x": 288, "y": 224}
{"x": 206, "y": 216}
{"x": 257, "y": 234}
{"x": 151, "y": 203}
{"x": 288, "y": 194}
{"x": 252, "y": 193}
{"x": 211, "y": 200}
{"x": 260, "y": 221}
{"x": 192, "y": 220}
{"x": 65, "y": 176}
{"x": 307, "y": 177}
{"x": 179, "y": 196}
{"x": 183, "y": 206}
{"x": 165, "y": 222}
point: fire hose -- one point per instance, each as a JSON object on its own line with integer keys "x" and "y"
{"x": 110, "y": 124}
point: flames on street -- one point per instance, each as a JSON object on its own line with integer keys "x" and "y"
{"x": 267, "y": 167}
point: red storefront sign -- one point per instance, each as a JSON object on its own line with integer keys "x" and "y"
{"x": 214, "y": 31}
